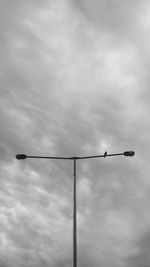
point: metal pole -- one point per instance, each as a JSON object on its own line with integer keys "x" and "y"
{"x": 23, "y": 156}
{"x": 74, "y": 218}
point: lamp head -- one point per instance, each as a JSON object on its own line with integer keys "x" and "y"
{"x": 21, "y": 156}
{"x": 129, "y": 153}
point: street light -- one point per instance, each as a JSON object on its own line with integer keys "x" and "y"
{"x": 126, "y": 153}
{"x": 21, "y": 156}
{"x": 129, "y": 153}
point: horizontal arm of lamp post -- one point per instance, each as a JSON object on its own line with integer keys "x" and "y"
{"x": 23, "y": 156}
{"x": 126, "y": 153}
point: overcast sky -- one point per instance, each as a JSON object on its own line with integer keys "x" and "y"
{"x": 74, "y": 82}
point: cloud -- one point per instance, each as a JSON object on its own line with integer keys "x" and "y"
{"x": 114, "y": 17}
{"x": 74, "y": 82}
{"x": 140, "y": 254}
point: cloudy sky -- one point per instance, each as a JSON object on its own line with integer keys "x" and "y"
{"x": 74, "y": 82}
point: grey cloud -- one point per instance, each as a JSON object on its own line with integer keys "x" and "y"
{"x": 66, "y": 89}
{"x": 116, "y": 17}
{"x": 3, "y": 264}
{"x": 140, "y": 254}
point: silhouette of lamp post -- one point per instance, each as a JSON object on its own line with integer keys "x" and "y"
{"x": 126, "y": 153}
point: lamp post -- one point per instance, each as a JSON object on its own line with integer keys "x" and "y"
{"x": 126, "y": 153}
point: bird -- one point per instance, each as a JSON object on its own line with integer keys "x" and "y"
{"x": 105, "y": 154}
